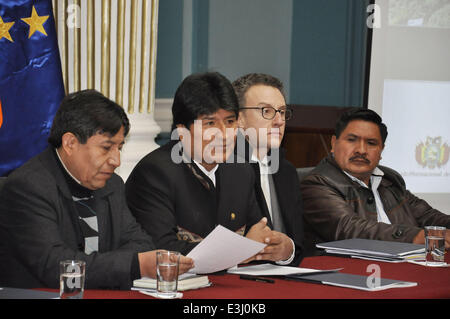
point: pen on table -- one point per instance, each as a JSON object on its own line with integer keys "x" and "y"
{"x": 254, "y": 278}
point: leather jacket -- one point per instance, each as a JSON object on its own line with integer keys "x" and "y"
{"x": 336, "y": 208}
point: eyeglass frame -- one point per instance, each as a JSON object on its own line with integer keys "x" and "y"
{"x": 275, "y": 114}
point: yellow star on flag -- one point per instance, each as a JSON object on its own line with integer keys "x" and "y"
{"x": 35, "y": 22}
{"x": 4, "y": 29}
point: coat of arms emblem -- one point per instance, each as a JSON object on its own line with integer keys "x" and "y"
{"x": 433, "y": 153}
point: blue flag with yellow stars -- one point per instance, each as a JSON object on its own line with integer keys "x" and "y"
{"x": 31, "y": 85}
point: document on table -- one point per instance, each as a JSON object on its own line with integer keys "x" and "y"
{"x": 222, "y": 249}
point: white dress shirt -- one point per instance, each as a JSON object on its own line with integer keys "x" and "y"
{"x": 375, "y": 180}
{"x": 211, "y": 174}
{"x": 264, "y": 179}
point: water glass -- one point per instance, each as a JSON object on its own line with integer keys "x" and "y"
{"x": 71, "y": 279}
{"x": 167, "y": 265}
{"x": 435, "y": 245}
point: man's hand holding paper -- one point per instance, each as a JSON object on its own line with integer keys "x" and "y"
{"x": 222, "y": 249}
{"x": 279, "y": 246}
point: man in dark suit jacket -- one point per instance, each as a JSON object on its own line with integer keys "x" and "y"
{"x": 179, "y": 205}
{"x": 262, "y": 119}
{"x": 182, "y": 191}
{"x": 67, "y": 203}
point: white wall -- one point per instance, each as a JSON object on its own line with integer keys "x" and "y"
{"x": 410, "y": 89}
{"x": 249, "y": 36}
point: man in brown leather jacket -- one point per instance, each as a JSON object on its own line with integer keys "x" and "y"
{"x": 348, "y": 195}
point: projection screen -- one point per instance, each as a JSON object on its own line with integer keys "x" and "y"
{"x": 409, "y": 86}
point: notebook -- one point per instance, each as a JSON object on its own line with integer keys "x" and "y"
{"x": 185, "y": 282}
{"x": 375, "y": 249}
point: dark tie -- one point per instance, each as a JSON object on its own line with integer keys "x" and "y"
{"x": 277, "y": 220}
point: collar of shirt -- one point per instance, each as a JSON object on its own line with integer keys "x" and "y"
{"x": 375, "y": 178}
{"x": 263, "y": 164}
{"x": 64, "y": 165}
{"x": 211, "y": 174}
{"x": 75, "y": 187}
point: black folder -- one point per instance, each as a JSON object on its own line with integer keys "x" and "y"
{"x": 18, "y": 293}
{"x": 369, "y": 248}
{"x": 339, "y": 279}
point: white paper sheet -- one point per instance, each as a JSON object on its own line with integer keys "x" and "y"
{"x": 222, "y": 249}
{"x": 424, "y": 263}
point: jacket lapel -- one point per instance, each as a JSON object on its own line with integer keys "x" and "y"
{"x": 284, "y": 196}
{"x": 69, "y": 219}
{"x": 108, "y": 207}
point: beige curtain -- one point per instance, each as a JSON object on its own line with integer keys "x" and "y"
{"x": 110, "y": 45}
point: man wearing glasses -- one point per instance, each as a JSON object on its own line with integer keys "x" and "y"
{"x": 262, "y": 120}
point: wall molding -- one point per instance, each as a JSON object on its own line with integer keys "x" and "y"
{"x": 163, "y": 114}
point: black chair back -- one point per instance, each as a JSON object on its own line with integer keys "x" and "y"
{"x": 2, "y": 182}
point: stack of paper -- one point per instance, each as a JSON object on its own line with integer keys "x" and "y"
{"x": 389, "y": 251}
{"x": 185, "y": 282}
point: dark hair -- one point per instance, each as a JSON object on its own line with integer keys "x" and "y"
{"x": 245, "y": 82}
{"x": 364, "y": 115}
{"x": 202, "y": 94}
{"x": 86, "y": 113}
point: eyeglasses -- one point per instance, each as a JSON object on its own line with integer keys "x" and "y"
{"x": 269, "y": 112}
